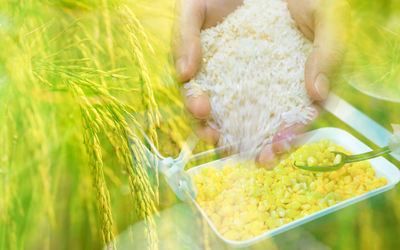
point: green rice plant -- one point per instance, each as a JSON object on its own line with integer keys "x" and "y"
{"x": 71, "y": 81}
{"x": 77, "y": 78}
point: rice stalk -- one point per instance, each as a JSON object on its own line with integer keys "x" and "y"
{"x": 93, "y": 147}
{"x": 109, "y": 39}
{"x": 134, "y": 30}
{"x": 110, "y": 118}
{"x": 78, "y": 61}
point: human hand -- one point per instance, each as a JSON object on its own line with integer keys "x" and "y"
{"x": 193, "y": 16}
{"x": 321, "y": 21}
{"x": 324, "y": 22}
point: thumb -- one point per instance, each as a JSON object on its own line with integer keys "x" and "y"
{"x": 330, "y": 35}
{"x": 187, "y": 45}
{"x": 318, "y": 70}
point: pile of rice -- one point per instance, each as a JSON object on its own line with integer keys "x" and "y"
{"x": 253, "y": 72}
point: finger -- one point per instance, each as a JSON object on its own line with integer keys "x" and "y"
{"x": 186, "y": 44}
{"x": 302, "y": 12}
{"x": 217, "y": 10}
{"x": 330, "y": 35}
{"x": 198, "y": 105}
{"x": 207, "y": 134}
{"x": 284, "y": 139}
{"x": 267, "y": 157}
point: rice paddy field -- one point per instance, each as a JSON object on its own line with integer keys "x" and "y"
{"x": 77, "y": 80}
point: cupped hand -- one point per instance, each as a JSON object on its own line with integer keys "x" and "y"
{"x": 325, "y": 23}
{"x": 193, "y": 16}
{"x": 322, "y": 21}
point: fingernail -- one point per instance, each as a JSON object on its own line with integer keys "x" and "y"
{"x": 266, "y": 157}
{"x": 199, "y": 106}
{"x": 182, "y": 66}
{"x": 322, "y": 86}
{"x": 282, "y": 143}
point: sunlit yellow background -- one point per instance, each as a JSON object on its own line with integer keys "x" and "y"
{"x": 72, "y": 72}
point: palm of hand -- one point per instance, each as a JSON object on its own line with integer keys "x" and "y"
{"x": 321, "y": 21}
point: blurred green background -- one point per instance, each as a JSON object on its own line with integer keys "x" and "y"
{"x": 71, "y": 71}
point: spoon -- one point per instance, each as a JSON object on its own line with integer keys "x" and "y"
{"x": 344, "y": 158}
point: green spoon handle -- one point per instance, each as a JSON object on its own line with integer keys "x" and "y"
{"x": 368, "y": 155}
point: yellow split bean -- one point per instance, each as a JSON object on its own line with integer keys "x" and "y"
{"x": 244, "y": 201}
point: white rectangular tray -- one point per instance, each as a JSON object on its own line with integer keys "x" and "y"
{"x": 382, "y": 167}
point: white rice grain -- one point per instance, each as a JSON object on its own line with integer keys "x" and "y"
{"x": 253, "y": 72}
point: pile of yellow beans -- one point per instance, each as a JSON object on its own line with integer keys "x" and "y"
{"x": 244, "y": 201}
